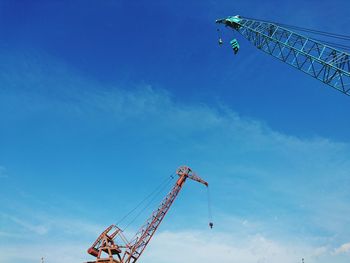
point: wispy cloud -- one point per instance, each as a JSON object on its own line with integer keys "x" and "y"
{"x": 49, "y": 225}
{"x": 189, "y": 246}
{"x": 67, "y": 252}
{"x": 25, "y": 224}
{"x": 223, "y": 247}
{"x": 345, "y": 248}
{"x": 273, "y": 184}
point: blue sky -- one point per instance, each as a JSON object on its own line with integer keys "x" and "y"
{"x": 100, "y": 101}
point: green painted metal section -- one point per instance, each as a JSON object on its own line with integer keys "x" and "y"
{"x": 323, "y": 62}
{"x": 234, "y": 45}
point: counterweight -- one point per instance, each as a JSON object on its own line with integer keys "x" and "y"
{"x": 323, "y": 62}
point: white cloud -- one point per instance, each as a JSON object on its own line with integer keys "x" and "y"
{"x": 49, "y": 225}
{"x": 25, "y": 224}
{"x": 298, "y": 168}
{"x": 231, "y": 151}
{"x": 202, "y": 247}
{"x": 320, "y": 251}
{"x": 67, "y": 252}
{"x": 174, "y": 247}
{"x": 345, "y": 248}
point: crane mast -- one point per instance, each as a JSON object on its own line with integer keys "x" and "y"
{"x": 129, "y": 252}
{"x": 323, "y": 62}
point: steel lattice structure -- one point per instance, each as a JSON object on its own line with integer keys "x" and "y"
{"x": 323, "y": 62}
{"x": 112, "y": 247}
{"x": 145, "y": 233}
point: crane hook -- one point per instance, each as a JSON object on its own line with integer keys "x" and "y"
{"x": 219, "y": 36}
{"x": 210, "y": 217}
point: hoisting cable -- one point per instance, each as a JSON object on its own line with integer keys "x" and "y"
{"x": 156, "y": 193}
{"x": 338, "y": 36}
{"x": 333, "y": 44}
{"x": 315, "y": 32}
{"x": 220, "y": 41}
{"x": 210, "y": 216}
{"x": 323, "y": 33}
{"x": 160, "y": 186}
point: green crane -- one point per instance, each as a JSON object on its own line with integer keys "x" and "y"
{"x": 315, "y": 58}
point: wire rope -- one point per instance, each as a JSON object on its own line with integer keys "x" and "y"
{"x": 156, "y": 193}
{"x": 313, "y": 31}
{"x": 331, "y": 44}
{"x": 323, "y": 33}
{"x": 210, "y": 216}
{"x": 160, "y": 186}
{"x": 338, "y": 36}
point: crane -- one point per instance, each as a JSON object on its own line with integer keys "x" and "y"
{"x": 112, "y": 246}
{"x": 321, "y": 61}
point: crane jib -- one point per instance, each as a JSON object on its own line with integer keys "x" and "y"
{"x": 319, "y": 60}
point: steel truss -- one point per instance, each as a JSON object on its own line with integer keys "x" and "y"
{"x": 323, "y": 62}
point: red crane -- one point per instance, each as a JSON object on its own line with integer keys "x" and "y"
{"x": 112, "y": 246}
